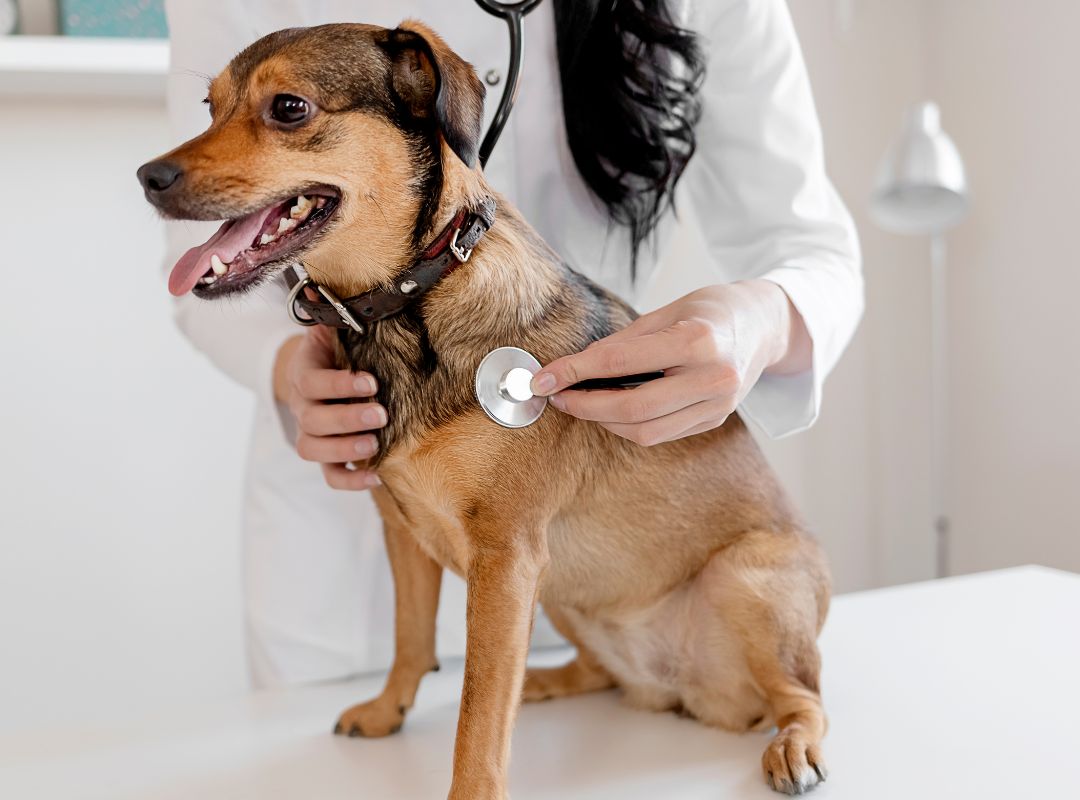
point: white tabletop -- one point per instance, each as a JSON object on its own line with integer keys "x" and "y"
{"x": 967, "y": 687}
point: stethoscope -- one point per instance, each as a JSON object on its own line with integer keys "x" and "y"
{"x": 505, "y": 374}
{"x": 514, "y": 14}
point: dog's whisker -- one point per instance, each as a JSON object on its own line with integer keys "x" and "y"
{"x": 375, "y": 202}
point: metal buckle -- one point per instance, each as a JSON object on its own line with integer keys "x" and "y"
{"x": 290, "y": 304}
{"x": 339, "y": 307}
{"x": 460, "y": 253}
{"x": 331, "y": 298}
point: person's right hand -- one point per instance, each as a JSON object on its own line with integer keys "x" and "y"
{"x": 331, "y": 434}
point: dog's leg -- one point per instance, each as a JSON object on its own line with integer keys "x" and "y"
{"x": 792, "y": 762}
{"x": 417, "y": 579}
{"x": 773, "y": 590}
{"x": 583, "y": 674}
{"x": 503, "y": 578}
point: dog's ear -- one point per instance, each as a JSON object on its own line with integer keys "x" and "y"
{"x": 433, "y": 82}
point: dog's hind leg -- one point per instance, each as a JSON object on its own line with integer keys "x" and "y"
{"x": 773, "y": 592}
{"x": 417, "y": 579}
{"x": 583, "y": 674}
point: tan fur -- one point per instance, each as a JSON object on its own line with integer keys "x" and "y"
{"x": 679, "y": 571}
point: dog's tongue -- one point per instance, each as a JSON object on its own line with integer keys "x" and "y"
{"x": 231, "y": 239}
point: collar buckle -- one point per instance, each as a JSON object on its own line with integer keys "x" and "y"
{"x": 294, "y": 295}
{"x": 460, "y": 253}
{"x": 339, "y": 307}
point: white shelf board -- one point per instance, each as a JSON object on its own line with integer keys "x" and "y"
{"x": 77, "y": 66}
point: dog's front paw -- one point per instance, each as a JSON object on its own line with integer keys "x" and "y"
{"x": 792, "y": 765}
{"x": 379, "y": 717}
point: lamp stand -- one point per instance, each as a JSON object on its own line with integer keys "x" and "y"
{"x": 939, "y": 402}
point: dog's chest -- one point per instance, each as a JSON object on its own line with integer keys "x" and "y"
{"x": 430, "y": 507}
{"x": 419, "y": 389}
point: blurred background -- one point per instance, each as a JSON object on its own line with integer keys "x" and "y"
{"x": 113, "y": 583}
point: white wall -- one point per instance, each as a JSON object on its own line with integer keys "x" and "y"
{"x": 860, "y": 464}
{"x": 1005, "y": 74}
{"x": 121, "y": 457}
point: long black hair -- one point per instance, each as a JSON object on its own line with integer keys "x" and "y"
{"x": 630, "y": 79}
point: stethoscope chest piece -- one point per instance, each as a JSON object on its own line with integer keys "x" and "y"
{"x": 502, "y": 387}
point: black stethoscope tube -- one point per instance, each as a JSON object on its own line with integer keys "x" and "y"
{"x": 503, "y": 413}
{"x": 514, "y": 14}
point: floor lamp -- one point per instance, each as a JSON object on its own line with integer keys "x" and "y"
{"x": 921, "y": 190}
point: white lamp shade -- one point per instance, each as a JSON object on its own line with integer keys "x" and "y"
{"x": 921, "y": 186}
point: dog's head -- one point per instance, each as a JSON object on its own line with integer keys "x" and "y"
{"x": 336, "y": 145}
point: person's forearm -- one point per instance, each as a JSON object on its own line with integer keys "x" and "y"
{"x": 793, "y": 348}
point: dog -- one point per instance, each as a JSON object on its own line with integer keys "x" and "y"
{"x": 680, "y": 571}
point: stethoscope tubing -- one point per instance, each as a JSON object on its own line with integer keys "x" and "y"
{"x": 514, "y": 14}
{"x": 507, "y": 413}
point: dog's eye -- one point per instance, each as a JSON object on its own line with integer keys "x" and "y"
{"x": 289, "y": 109}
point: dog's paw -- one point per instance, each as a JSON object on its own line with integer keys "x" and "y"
{"x": 792, "y": 765}
{"x": 378, "y": 717}
{"x": 542, "y": 684}
{"x": 569, "y": 679}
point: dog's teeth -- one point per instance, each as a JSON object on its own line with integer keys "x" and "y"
{"x": 266, "y": 238}
{"x": 218, "y": 265}
{"x": 285, "y": 225}
{"x": 320, "y": 202}
{"x": 208, "y": 279}
{"x": 302, "y": 208}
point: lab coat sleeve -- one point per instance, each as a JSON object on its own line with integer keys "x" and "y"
{"x": 759, "y": 188}
{"x": 240, "y": 336}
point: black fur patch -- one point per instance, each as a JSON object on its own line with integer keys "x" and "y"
{"x": 427, "y": 184}
{"x": 454, "y": 101}
{"x": 417, "y": 390}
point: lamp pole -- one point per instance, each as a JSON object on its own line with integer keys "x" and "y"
{"x": 939, "y": 400}
{"x": 922, "y": 190}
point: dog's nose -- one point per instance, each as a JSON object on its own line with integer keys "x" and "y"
{"x": 158, "y": 176}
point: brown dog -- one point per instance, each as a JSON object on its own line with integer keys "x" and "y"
{"x": 679, "y": 571}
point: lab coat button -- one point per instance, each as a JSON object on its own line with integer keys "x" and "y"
{"x": 492, "y": 77}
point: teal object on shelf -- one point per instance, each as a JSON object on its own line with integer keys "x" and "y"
{"x": 135, "y": 18}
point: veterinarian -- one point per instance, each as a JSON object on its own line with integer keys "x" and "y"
{"x": 784, "y": 291}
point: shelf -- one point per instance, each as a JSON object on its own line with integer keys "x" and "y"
{"x": 83, "y": 67}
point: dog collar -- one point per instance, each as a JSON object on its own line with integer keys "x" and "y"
{"x": 450, "y": 249}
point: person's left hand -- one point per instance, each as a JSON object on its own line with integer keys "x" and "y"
{"x": 713, "y": 344}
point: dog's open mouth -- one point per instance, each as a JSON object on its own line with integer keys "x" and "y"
{"x": 235, "y": 257}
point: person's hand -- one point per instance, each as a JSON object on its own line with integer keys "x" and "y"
{"x": 331, "y": 434}
{"x": 712, "y": 345}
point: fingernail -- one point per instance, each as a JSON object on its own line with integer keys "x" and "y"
{"x": 365, "y": 384}
{"x": 543, "y": 382}
{"x": 367, "y": 445}
{"x": 375, "y": 417}
{"x": 558, "y": 401}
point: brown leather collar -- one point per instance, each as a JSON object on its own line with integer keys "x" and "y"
{"x": 450, "y": 249}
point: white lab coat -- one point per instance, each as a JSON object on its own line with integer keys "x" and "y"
{"x": 318, "y": 590}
